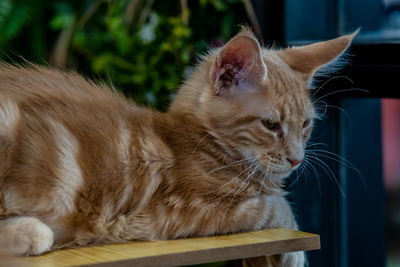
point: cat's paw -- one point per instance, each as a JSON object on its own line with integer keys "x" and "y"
{"x": 25, "y": 236}
{"x": 292, "y": 259}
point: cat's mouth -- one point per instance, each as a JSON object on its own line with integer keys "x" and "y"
{"x": 277, "y": 172}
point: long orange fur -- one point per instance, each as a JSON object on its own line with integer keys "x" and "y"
{"x": 80, "y": 164}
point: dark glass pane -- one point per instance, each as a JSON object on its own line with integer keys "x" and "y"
{"x": 379, "y": 19}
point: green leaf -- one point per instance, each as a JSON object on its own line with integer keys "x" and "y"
{"x": 13, "y": 20}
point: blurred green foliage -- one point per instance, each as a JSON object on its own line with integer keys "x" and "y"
{"x": 144, "y": 47}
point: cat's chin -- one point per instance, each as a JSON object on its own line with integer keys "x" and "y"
{"x": 277, "y": 174}
{"x": 281, "y": 175}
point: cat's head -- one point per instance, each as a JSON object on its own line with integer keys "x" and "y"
{"x": 257, "y": 100}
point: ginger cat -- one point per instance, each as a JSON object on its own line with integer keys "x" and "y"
{"x": 80, "y": 164}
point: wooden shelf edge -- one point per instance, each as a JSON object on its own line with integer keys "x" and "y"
{"x": 212, "y": 255}
{"x": 184, "y": 251}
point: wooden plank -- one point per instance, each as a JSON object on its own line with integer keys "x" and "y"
{"x": 182, "y": 251}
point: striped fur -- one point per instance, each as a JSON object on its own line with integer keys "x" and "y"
{"x": 80, "y": 164}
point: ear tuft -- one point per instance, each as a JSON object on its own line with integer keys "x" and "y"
{"x": 246, "y": 31}
{"x": 240, "y": 59}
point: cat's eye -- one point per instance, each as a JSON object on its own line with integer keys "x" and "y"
{"x": 306, "y": 123}
{"x": 273, "y": 126}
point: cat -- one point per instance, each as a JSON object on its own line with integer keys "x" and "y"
{"x": 80, "y": 164}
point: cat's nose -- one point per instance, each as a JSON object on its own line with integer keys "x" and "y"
{"x": 294, "y": 162}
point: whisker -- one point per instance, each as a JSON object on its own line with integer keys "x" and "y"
{"x": 248, "y": 179}
{"x": 231, "y": 180}
{"x": 294, "y": 180}
{"x": 342, "y": 91}
{"x": 309, "y": 144}
{"x": 328, "y": 171}
{"x": 264, "y": 177}
{"x": 241, "y": 182}
{"x": 194, "y": 150}
{"x": 236, "y": 163}
{"x": 321, "y": 115}
{"x": 303, "y": 171}
{"x": 340, "y": 160}
{"x": 316, "y": 175}
{"x": 347, "y": 162}
{"x": 298, "y": 175}
{"x": 343, "y": 111}
{"x": 326, "y": 82}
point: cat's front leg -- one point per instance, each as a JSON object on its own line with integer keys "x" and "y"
{"x": 25, "y": 236}
{"x": 292, "y": 259}
{"x": 284, "y": 260}
{"x": 282, "y": 216}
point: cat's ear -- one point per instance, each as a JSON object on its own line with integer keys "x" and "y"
{"x": 310, "y": 58}
{"x": 239, "y": 60}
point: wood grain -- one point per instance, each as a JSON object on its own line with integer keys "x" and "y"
{"x": 182, "y": 251}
